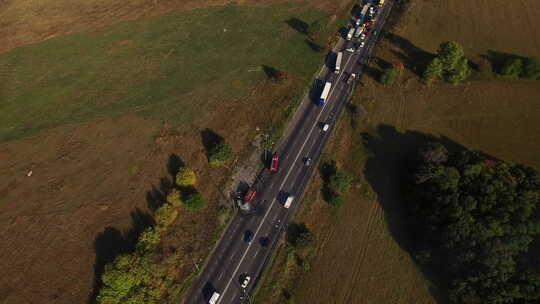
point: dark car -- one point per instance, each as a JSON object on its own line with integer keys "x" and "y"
{"x": 264, "y": 241}
{"x": 248, "y": 236}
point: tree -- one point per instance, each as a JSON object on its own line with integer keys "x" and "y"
{"x": 174, "y": 198}
{"x": 195, "y": 201}
{"x": 461, "y": 71}
{"x": 186, "y": 177}
{"x": 513, "y": 67}
{"x": 148, "y": 240}
{"x": 298, "y": 235}
{"x": 479, "y": 215}
{"x": 450, "y": 53}
{"x": 220, "y": 154}
{"x": 165, "y": 215}
{"x": 434, "y": 70}
{"x": 531, "y": 68}
{"x": 389, "y": 75}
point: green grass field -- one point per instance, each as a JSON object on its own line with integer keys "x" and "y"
{"x": 171, "y": 67}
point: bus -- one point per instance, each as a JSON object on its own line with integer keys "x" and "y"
{"x": 338, "y": 62}
{"x": 325, "y": 93}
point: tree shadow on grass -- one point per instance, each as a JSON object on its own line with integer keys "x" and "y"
{"x": 298, "y": 25}
{"x": 314, "y": 46}
{"x": 413, "y": 57}
{"x": 391, "y": 157}
{"x": 210, "y": 140}
{"x": 498, "y": 59}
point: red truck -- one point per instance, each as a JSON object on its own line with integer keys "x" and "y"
{"x": 250, "y": 195}
{"x": 274, "y": 165}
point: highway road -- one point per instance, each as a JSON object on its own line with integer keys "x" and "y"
{"x": 234, "y": 257}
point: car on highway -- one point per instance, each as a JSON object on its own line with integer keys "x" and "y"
{"x": 214, "y": 298}
{"x": 274, "y": 165}
{"x": 351, "y": 78}
{"x": 250, "y": 195}
{"x": 362, "y": 37}
{"x": 264, "y": 241}
{"x": 362, "y": 43}
{"x": 245, "y": 279}
{"x": 248, "y": 236}
{"x": 307, "y": 161}
{"x": 325, "y": 127}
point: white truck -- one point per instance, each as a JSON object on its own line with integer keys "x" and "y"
{"x": 350, "y": 33}
{"x": 338, "y": 62}
{"x": 364, "y": 12}
{"x": 288, "y": 202}
{"x": 359, "y": 31}
{"x": 214, "y": 298}
{"x": 325, "y": 93}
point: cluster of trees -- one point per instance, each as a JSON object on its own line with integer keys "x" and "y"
{"x": 336, "y": 183}
{"x": 300, "y": 251}
{"x": 449, "y": 64}
{"x": 139, "y": 277}
{"x": 522, "y": 67}
{"x": 185, "y": 193}
{"x": 478, "y": 219}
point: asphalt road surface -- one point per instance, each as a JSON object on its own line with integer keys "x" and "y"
{"x": 233, "y": 257}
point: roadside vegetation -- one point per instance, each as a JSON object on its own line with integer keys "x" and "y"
{"x": 142, "y": 276}
{"x": 479, "y": 215}
{"x": 336, "y": 183}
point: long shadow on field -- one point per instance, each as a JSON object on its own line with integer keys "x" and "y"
{"x": 299, "y": 25}
{"x": 112, "y": 242}
{"x": 413, "y": 57}
{"x": 498, "y": 59}
{"x": 390, "y": 158}
{"x": 210, "y": 140}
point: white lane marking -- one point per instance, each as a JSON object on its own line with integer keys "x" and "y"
{"x": 281, "y": 186}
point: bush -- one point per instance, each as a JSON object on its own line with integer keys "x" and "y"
{"x": 220, "y": 154}
{"x": 298, "y": 235}
{"x": 450, "y": 53}
{"x": 336, "y": 200}
{"x": 174, "y": 198}
{"x": 461, "y": 71}
{"x": 513, "y": 67}
{"x": 388, "y": 76}
{"x": 195, "y": 201}
{"x": 531, "y": 68}
{"x": 339, "y": 182}
{"x": 186, "y": 177}
{"x": 165, "y": 215}
{"x": 434, "y": 70}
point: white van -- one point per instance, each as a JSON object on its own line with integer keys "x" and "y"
{"x": 214, "y": 298}
{"x": 289, "y": 201}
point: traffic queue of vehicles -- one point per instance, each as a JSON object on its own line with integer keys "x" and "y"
{"x": 359, "y": 30}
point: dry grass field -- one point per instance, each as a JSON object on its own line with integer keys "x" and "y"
{"x": 362, "y": 250}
